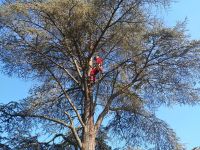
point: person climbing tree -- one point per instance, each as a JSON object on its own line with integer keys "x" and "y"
{"x": 98, "y": 67}
{"x": 99, "y": 63}
{"x": 93, "y": 74}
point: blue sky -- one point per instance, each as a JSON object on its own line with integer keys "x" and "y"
{"x": 184, "y": 120}
{"x": 12, "y": 89}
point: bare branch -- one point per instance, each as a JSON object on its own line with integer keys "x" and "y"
{"x": 67, "y": 96}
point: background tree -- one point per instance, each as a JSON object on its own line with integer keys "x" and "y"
{"x": 196, "y": 148}
{"x": 146, "y": 65}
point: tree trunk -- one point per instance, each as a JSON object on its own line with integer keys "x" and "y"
{"x": 89, "y": 136}
{"x": 89, "y": 133}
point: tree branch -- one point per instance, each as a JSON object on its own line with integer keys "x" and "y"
{"x": 67, "y": 96}
{"x": 106, "y": 27}
{"x": 110, "y": 100}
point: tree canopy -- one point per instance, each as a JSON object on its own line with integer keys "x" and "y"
{"x": 145, "y": 65}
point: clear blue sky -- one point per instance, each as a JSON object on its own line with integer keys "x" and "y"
{"x": 184, "y": 120}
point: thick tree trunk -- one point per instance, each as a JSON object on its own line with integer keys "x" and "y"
{"x": 89, "y": 133}
{"x": 89, "y": 136}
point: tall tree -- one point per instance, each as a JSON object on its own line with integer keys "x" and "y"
{"x": 146, "y": 65}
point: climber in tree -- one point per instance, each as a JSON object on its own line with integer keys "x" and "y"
{"x": 98, "y": 67}
{"x": 93, "y": 74}
{"x": 98, "y": 63}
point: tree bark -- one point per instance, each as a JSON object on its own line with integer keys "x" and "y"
{"x": 89, "y": 135}
{"x": 89, "y": 131}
